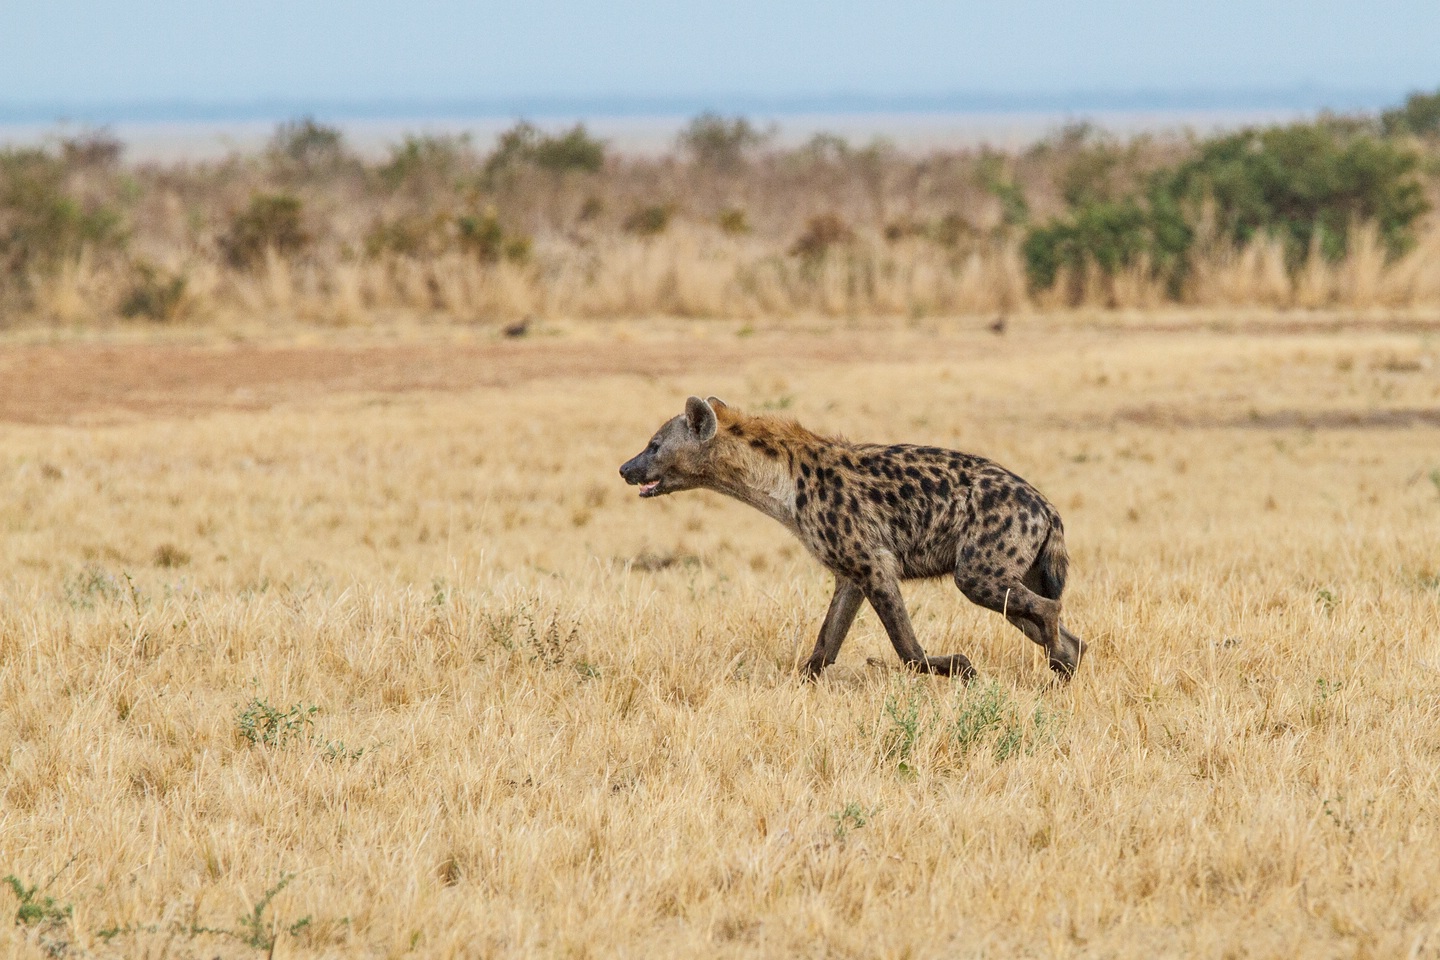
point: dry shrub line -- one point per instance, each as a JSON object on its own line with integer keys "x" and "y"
{"x": 1308, "y": 215}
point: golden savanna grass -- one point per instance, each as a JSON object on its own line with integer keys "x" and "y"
{"x": 555, "y": 720}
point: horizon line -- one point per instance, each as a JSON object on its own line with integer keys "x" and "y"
{"x": 1299, "y": 97}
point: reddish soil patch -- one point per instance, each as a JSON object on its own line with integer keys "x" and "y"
{"x": 89, "y": 383}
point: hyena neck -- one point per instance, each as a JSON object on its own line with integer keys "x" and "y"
{"x": 758, "y": 460}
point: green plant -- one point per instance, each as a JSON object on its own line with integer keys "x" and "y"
{"x": 647, "y": 221}
{"x": 574, "y": 149}
{"x": 524, "y": 144}
{"x": 1305, "y": 184}
{"x": 91, "y": 149}
{"x": 90, "y": 584}
{"x": 255, "y": 930}
{"x": 989, "y": 714}
{"x": 733, "y": 220}
{"x": 996, "y": 181}
{"x": 904, "y": 731}
{"x": 853, "y": 817}
{"x": 1111, "y": 236}
{"x": 409, "y": 235}
{"x": 717, "y": 143}
{"x": 41, "y": 224}
{"x": 1419, "y": 116}
{"x": 821, "y": 234}
{"x": 980, "y": 714}
{"x": 153, "y": 294}
{"x": 485, "y": 238}
{"x": 33, "y": 907}
{"x": 307, "y": 146}
{"x": 271, "y": 221}
{"x": 262, "y": 724}
{"x": 426, "y": 161}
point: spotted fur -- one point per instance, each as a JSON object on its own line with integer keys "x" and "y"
{"x": 878, "y": 514}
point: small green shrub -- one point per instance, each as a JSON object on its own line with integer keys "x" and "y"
{"x": 574, "y": 149}
{"x": 410, "y": 235}
{"x": 426, "y": 161}
{"x": 821, "y": 234}
{"x": 717, "y": 143}
{"x": 272, "y": 221}
{"x": 91, "y": 149}
{"x": 41, "y": 224}
{"x": 307, "y": 146}
{"x": 263, "y": 725}
{"x": 89, "y": 586}
{"x": 732, "y": 220}
{"x": 525, "y": 145}
{"x": 485, "y": 237}
{"x": 1418, "y": 116}
{"x": 952, "y": 230}
{"x": 153, "y": 294}
{"x": 852, "y": 817}
{"x": 648, "y": 221}
{"x": 1112, "y": 235}
{"x": 33, "y": 907}
{"x": 590, "y": 210}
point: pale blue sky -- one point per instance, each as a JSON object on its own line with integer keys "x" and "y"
{"x": 100, "y": 51}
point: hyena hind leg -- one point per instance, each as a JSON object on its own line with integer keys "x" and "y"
{"x": 1033, "y": 615}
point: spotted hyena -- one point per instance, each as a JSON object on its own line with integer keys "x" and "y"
{"x": 876, "y": 515}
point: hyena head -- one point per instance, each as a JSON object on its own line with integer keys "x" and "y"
{"x": 679, "y": 455}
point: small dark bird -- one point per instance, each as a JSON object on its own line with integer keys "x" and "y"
{"x": 997, "y": 326}
{"x": 517, "y": 330}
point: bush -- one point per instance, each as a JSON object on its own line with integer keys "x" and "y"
{"x": 647, "y": 221}
{"x": 732, "y": 220}
{"x": 485, "y": 238}
{"x": 271, "y": 222}
{"x": 821, "y": 233}
{"x": 412, "y": 235}
{"x": 153, "y": 294}
{"x": 524, "y": 145}
{"x": 572, "y": 150}
{"x": 1306, "y": 185}
{"x": 91, "y": 148}
{"x": 716, "y": 143}
{"x": 308, "y": 146}
{"x": 426, "y": 160}
{"x": 1112, "y": 235}
{"x": 41, "y": 224}
{"x": 1419, "y": 116}
{"x": 1303, "y": 184}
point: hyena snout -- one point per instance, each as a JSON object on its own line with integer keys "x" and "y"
{"x": 640, "y": 470}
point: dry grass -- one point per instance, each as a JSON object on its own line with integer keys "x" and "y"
{"x": 555, "y": 720}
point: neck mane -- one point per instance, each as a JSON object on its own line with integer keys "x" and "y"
{"x": 758, "y": 459}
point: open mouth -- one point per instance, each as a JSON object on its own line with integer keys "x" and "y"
{"x": 650, "y": 489}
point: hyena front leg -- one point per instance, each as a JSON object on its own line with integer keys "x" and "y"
{"x": 843, "y": 607}
{"x": 884, "y": 596}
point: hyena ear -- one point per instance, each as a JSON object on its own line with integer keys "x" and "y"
{"x": 700, "y": 418}
{"x": 715, "y": 403}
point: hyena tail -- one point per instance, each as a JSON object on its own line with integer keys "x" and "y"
{"x": 1053, "y": 563}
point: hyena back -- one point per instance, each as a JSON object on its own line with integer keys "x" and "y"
{"x": 875, "y": 515}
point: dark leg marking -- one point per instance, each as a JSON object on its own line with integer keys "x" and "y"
{"x": 843, "y": 606}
